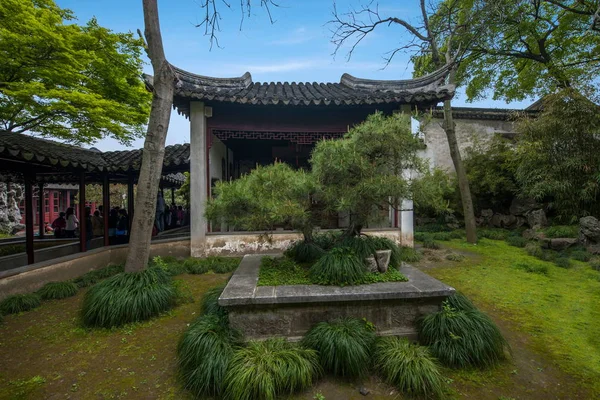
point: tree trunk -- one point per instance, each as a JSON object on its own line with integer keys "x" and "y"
{"x": 154, "y": 145}
{"x": 461, "y": 173}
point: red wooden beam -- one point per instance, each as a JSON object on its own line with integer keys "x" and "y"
{"x": 105, "y": 205}
{"x": 82, "y": 216}
{"x": 29, "y": 178}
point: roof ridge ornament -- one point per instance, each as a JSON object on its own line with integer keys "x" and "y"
{"x": 435, "y": 78}
{"x": 241, "y": 82}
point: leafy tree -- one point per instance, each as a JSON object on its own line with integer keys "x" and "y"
{"x": 57, "y": 78}
{"x": 435, "y": 193}
{"x": 363, "y": 173}
{"x": 558, "y": 155}
{"x": 275, "y": 195}
{"x": 532, "y": 48}
{"x": 435, "y": 43}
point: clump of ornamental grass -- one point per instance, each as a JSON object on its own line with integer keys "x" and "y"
{"x": 93, "y": 277}
{"x": 340, "y": 266}
{"x": 128, "y": 297}
{"x": 581, "y": 255}
{"x": 20, "y": 303}
{"x": 409, "y": 367}
{"x": 460, "y": 302}
{"x": 222, "y": 265}
{"x": 595, "y": 263}
{"x": 562, "y": 262}
{"x": 195, "y": 266}
{"x": 304, "y": 252}
{"x": 210, "y": 302}
{"x": 204, "y": 354}
{"x": 383, "y": 243}
{"x": 455, "y": 257}
{"x": 516, "y": 241}
{"x": 344, "y": 346}
{"x": 463, "y": 339}
{"x": 58, "y": 290}
{"x": 532, "y": 267}
{"x": 326, "y": 240}
{"x": 430, "y": 243}
{"x": 534, "y": 250}
{"x": 408, "y": 254}
{"x": 270, "y": 369}
{"x": 362, "y": 246}
{"x": 493, "y": 234}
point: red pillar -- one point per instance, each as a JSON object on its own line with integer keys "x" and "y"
{"x": 29, "y": 178}
{"x": 106, "y": 205}
{"x": 41, "y": 210}
{"x": 82, "y": 218}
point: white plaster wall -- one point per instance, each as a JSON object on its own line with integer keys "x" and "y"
{"x": 218, "y": 151}
{"x": 468, "y": 133}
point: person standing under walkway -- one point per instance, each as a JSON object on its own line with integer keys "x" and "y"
{"x": 59, "y": 225}
{"x": 97, "y": 224}
{"x": 72, "y": 223}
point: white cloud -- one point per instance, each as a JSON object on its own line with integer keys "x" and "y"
{"x": 297, "y": 36}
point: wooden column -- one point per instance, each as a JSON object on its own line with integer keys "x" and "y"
{"x": 82, "y": 218}
{"x": 41, "y": 210}
{"x": 105, "y": 205}
{"x": 130, "y": 200}
{"x": 29, "y": 178}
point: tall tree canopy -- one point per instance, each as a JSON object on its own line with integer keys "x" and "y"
{"x": 61, "y": 79}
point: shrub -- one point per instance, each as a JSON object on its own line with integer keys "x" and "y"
{"x": 562, "y": 262}
{"x": 408, "y": 254}
{"x": 304, "y": 252}
{"x": 204, "y": 354}
{"x": 344, "y": 345}
{"x": 461, "y": 339}
{"x": 267, "y": 370}
{"x": 128, "y": 297}
{"x": 595, "y": 263}
{"x": 327, "y": 240}
{"x": 581, "y": 255}
{"x": 493, "y": 234}
{"x": 340, "y": 266}
{"x": 409, "y": 367}
{"x": 562, "y": 231}
{"x": 429, "y": 243}
{"x": 209, "y": 303}
{"x": 533, "y": 267}
{"x": 516, "y": 241}
{"x": 455, "y": 257}
{"x": 195, "y": 266}
{"x": 362, "y": 246}
{"x": 170, "y": 265}
{"x": 20, "y": 303}
{"x": 58, "y": 290}
{"x": 433, "y": 228}
{"x": 460, "y": 302}
{"x": 534, "y": 250}
{"x": 222, "y": 265}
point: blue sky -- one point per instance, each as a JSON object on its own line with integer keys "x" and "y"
{"x": 296, "y": 47}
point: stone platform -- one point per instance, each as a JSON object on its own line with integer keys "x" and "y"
{"x": 290, "y": 311}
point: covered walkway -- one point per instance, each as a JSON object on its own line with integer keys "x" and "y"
{"x": 34, "y": 162}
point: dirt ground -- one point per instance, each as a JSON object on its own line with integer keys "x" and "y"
{"x": 46, "y": 354}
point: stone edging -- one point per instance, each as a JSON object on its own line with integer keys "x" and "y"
{"x": 242, "y": 288}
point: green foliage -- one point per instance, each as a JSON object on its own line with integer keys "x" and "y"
{"x": 461, "y": 339}
{"x": 209, "y": 303}
{"x": 362, "y": 246}
{"x": 383, "y": 243}
{"x": 327, "y": 240}
{"x": 128, "y": 297}
{"x": 271, "y": 196}
{"x": 455, "y": 257}
{"x": 491, "y": 173}
{"x": 58, "y": 290}
{"x": 580, "y": 255}
{"x": 20, "y": 303}
{"x": 460, "y": 302}
{"x": 303, "y": 251}
{"x": 219, "y": 265}
{"x": 360, "y": 173}
{"x": 204, "y": 354}
{"x": 435, "y": 193}
{"x": 340, "y": 266}
{"x": 562, "y": 231}
{"x": 85, "y": 83}
{"x": 595, "y": 263}
{"x": 493, "y": 233}
{"x": 267, "y": 370}
{"x": 196, "y": 266}
{"x": 534, "y": 250}
{"x": 558, "y": 155}
{"x": 93, "y": 277}
{"x": 170, "y": 265}
{"x": 277, "y": 271}
{"x": 432, "y": 228}
{"x": 409, "y": 367}
{"x": 532, "y": 267}
{"x": 517, "y": 241}
{"x": 344, "y": 346}
{"x": 430, "y": 243}
{"x": 562, "y": 262}
{"x": 409, "y": 255}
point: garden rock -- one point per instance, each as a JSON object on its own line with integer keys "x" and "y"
{"x": 383, "y": 259}
{"x": 523, "y": 206}
{"x": 364, "y": 391}
{"x": 561, "y": 243}
{"x": 536, "y": 219}
{"x": 485, "y": 218}
{"x": 507, "y": 221}
{"x": 593, "y": 249}
{"x": 589, "y": 230}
